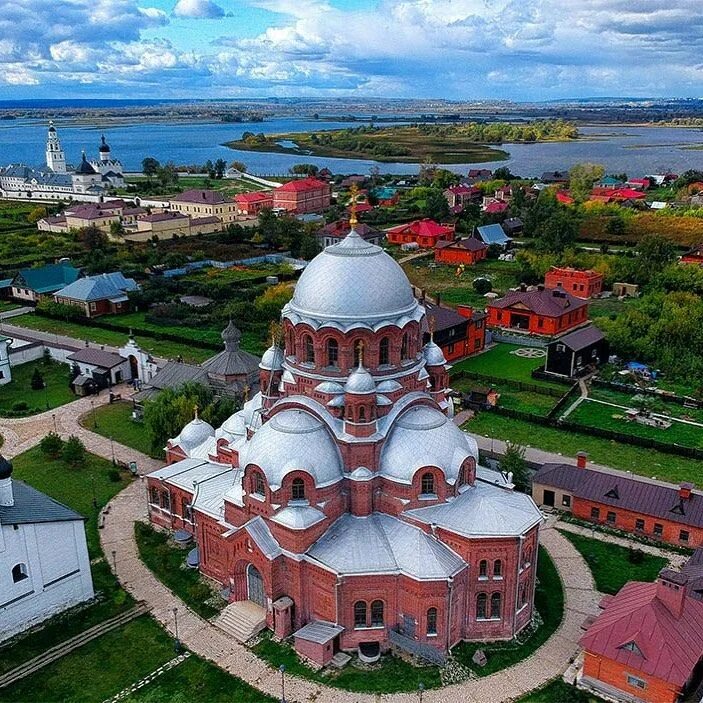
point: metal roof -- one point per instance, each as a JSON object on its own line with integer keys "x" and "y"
{"x": 47, "y": 279}
{"x": 104, "y": 286}
{"x": 258, "y": 530}
{"x": 33, "y": 506}
{"x": 96, "y": 357}
{"x": 581, "y": 338}
{"x": 380, "y": 543}
{"x": 318, "y": 631}
{"x": 493, "y": 234}
{"x": 552, "y": 302}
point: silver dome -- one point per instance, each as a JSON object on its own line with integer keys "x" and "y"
{"x": 294, "y": 440}
{"x": 360, "y": 381}
{"x": 433, "y": 354}
{"x": 272, "y": 360}
{"x": 353, "y": 280}
{"x": 194, "y": 434}
{"x": 424, "y": 436}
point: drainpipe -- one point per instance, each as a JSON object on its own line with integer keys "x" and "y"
{"x": 449, "y": 611}
{"x": 521, "y": 540}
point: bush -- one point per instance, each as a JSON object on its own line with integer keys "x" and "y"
{"x": 114, "y": 475}
{"x": 51, "y": 445}
{"x": 37, "y": 381}
{"x": 635, "y": 556}
{"x": 20, "y": 407}
{"x": 74, "y": 451}
{"x": 482, "y": 286}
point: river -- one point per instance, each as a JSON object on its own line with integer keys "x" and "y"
{"x": 632, "y": 150}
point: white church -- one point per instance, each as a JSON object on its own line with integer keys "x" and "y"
{"x": 44, "y": 562}
{"x": 90, "y": 180}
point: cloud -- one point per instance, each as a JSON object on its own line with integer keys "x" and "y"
{"x": 198, "y": 9}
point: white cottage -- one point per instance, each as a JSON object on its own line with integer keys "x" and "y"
{"x": 44, "y": 563}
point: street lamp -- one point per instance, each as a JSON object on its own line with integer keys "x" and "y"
{"x": 420, "y": 691}
{"x": 92, "y": 409}
{"x": 112, "y": 449}
{"x": 114, "y": 564}
{"x": 177, "y": 642}
{"x": 53, "y": 417}
{"x": 282, "y": 669}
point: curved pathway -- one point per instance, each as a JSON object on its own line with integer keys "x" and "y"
{"x": 203, "y": 638}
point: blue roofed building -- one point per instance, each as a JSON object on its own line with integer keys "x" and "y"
{"x": 103, "y": 294}
{"x": 493, "y": 234}
{"x": 30, "y": 284}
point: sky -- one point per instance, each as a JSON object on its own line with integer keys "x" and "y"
{"x": 523, "y": 50}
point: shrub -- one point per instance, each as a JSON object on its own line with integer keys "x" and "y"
{"x": 20, "y": 407}
{"x": 37, "y": 381}
{"x": 635, "y": 556}
{"x": 482, "y": 286}
{"x": 114, "y": 475}
{"x": 74, "y": 451}
{"x": 51, "y": 445}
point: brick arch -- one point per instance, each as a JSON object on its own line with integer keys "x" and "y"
{"x": 250, "y": 481}
{"x": 285, "y": 493}
{"x": 438, "y": 477}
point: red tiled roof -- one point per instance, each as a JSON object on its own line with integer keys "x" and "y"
{"x": 254, "y": 197}
{"x": 302, "y": 185}
{"x": 669, "y": 647}
{"x": 564, "y": 198}
{"x": 496, "y": 208}
{"x": 462, "y": 189}
{"x": 552, "y": 302}
{"x": 423, "y": 228}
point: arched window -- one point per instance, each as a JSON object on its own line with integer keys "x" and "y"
{"x": 360, "y": 614}
{"x": 258, "y": 484}
{"x": 377, "y": 613}
{"x": 332, "y": 352}
{"x": 308, "y": 349}
{"x": 495, "y": 605}
{"x": 461, "y": 478}
{"x": 481, "y": 606}
{"x": 497, "y": 568}
{"x": 362, "y": 413}
{"x": 405, "y": 347}
{"x": 427, "y": 484}
{"x": 298, "y": 489}
{"x": 19, "y": 573}
{"x": 384, "y": 351}
{"x": 432, "y": 621}
{"x": 483, "y": 569}
{"x": 523, "y": 595}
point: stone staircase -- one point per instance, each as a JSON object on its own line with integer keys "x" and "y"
{"x": 242, "y": 620}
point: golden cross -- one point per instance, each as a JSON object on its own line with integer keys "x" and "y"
{"x": 431, "y": 324}
{"x": 360, "y": 347}
{"x": 195, "y": 411}
{"x": 354, "y": 192}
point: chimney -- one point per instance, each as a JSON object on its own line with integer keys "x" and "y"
{"x": 523, "y": 287}
{"x": 7, "y": 499}
{"x": 671, "y": 591}
{"x": 465, "y": 311}
{"x": 581, "y": 459}
{"x": 685, "y": 491}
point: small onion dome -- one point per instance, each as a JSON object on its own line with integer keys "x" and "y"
{"x": 272, "y": 360}
{"x": 52, "y": 129}
{"x": 5, "y": 468}
{"x": 433, "y": 354}
{"x": 231, "y": 336}
{"x": 104, "y": 147}
{"x": 360, "y": 381}
{"x": 194, "y": 434}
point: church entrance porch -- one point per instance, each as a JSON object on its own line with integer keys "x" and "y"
{"x": 242, "y": 620}
{"x": 255, "y": 586}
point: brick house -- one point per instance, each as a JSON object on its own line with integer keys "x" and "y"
{"x": 304, "y": 195}
{"x": 646, "y": 645}
{"x": 652, "y": 509}
{"x": 580, "y": 283}
{"x": 425, "y": 233}
{"x": 458, "y": 197}
{"x": 540, "y": 311}
{"x": 103, "y": 294}
{"x": 463, "y": 251}
{"x": 253, "y": 203}
{"x": 459, "y": 333}
{"x": 693, "y": 256}
{"x": 199, "y": 203}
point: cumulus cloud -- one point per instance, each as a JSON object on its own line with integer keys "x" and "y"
{"x": 198, "y": 9}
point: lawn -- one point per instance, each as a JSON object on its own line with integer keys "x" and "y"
{"x": 55, "y": 393}
{"x": 611, "y": 418}
{"x": 198, "y": 681}
{"x": 558, "y": 691}
{"x": 166, "y": 561}
{"x": 99, "y": 669}
{"x": 626, "y": 457}
{"x": 659, "y": 406}
{"x": 158, "y": 347}
{"x": 390, "y": 675}
{"x": 501, "y": 362}
{"x": 526, "y": 401}
{"x": 612, "y": 566}
{"x": 549, "y": 602}
{"x": 115, "y": 421}
{"x": 6, "y": 306}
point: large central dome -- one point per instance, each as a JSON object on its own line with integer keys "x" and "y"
{"x": 353, "y": 281}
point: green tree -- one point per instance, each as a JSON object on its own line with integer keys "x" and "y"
{"x": 513, "y": 462}
{"x": 51, "y": 445}
{"x": 220, "y": 168}
{"x": 304, "y": 169}
{"x": 150, "y": 167}
{"x": 559, "y": 231}
{"x": 36, "y": 214}
{"x": 581, "y": 180}
{"x": 239, "y": 166}
{"x": 503, "y": 173}
{"x": 37, "y": 381}
{"x": 117, "y": 229}
{"x": 73, "y": 451}
{"x": 436, "y": 205}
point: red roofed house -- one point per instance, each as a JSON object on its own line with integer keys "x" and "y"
{"x": 426, "y": 233}
{"x": 253, "y": 203}
{"x": 582, "y": 284}
{"x": 540, "y": 311}
{"x": 495, "y": 207}
{"x": 462, "y": 195}
{"x": 639, "y": 183}
{"x": 647, "y": 643}
{"x": 335, "y": 232}
{"x": 615, "y": 195}
{"x": 463, "y": 251}
{"x": 693, "y": 256}
{"x": 564, "y": 198}
{"x": 304, "y": 195}
{"x": 459, "y": 333}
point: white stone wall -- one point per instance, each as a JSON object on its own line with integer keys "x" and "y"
{"x": 5, "y": 372}
{"x": 58, "y": 572}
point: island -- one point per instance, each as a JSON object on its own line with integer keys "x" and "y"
{"x": 439, "y": 143}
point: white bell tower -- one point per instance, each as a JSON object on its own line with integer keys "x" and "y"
{"x": 55, "y": 158}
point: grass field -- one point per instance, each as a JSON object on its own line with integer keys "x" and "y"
{"x": 158, "y": 347}
{"x": 660, "y": 406}
{"x": 116, "y": 421}
{"x": 166, "y": 561}
{"x": 526, "y": 401}
{"x": 6, "y": 306}
{"x": 19, "y": 390}
{"x": 646, "y": 462}
{"x": 549, "y": 602}
{"x": 557, "y": 691}
{"x": 610, "y": 563}
{"x": 608, "y": 417}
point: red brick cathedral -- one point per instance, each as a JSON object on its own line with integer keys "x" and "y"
{"x": 342, "y": 499}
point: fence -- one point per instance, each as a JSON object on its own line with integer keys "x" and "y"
{"x": 629, "y": 388}
{"x": 509, "y": 382}
{"x": 418, "y": 649}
